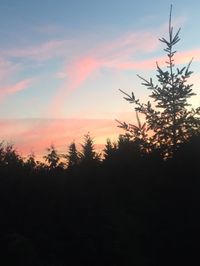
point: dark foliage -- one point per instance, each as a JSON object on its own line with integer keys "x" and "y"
{"x": 130, "y": 209}
{"x": 73, "y": 157}
{"x": 169, "y": 121}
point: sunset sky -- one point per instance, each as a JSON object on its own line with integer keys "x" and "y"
{"x": 62, "y": 63}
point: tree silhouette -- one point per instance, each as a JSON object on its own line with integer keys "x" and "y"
{"x": 30, "y": 162}
{"x": 11, "y": 158}
{"x": 128, "y": 149}
{"x": 110, "y": 149}
{"x": 88, "y": 153}
{"x": 138, "y": 133}
{"x": 72, "y": 156}
{"x": 170, "y": 121}
{"x": 52, "y": 158}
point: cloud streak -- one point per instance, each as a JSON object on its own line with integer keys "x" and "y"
{"x": 121, "y": 53}
{"x": 10, "y": 90}
{"x": 111, "y": 55}
{"x": 81, "y": 69}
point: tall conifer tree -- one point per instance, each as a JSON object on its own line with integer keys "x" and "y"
{"x": 170, "y": 121}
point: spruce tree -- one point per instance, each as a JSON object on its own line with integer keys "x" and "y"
{"x": 73, "y": 155}
{"x": 88, "y": 153}
{"x": 169, "y": 121}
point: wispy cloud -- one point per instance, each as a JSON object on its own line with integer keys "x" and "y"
{"x": 10, "y": 90}
{"x": 77, "y": 73}
{"x": 126, "y": 52}
{"x": 119, "y": 55}
{"x": 113, "y": 55}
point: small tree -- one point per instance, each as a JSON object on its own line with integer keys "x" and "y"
{"x": 72, "y": 156}
{"x": 88, "y": 153}
{"x": 170, "y": 121}
{"x": 52, "y": 158}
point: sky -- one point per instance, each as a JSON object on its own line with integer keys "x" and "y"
{"x": 63, "y": 62}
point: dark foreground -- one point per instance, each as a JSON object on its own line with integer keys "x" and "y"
{"x": 126, "y": 210}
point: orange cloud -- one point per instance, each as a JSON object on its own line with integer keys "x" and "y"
{"x": 10, "y": 90}
{"x": 37, "y": 134}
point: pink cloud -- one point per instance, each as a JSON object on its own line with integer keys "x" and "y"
{"x": 81, "y": 69}
{"x": 77, "y": 73}
{"x": 10, "y": 90}
{"x": 121, "y": 53}
{"x": 183, "y": 57}
{"x": 113, "y": 55}
{"x": 186, "y": 56}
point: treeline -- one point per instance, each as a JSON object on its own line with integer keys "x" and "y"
{"x": 129, "y": 208}
{"x": 53, "y": 159}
